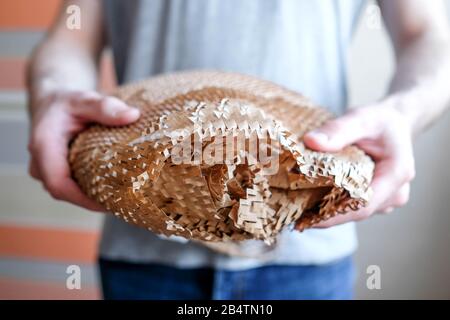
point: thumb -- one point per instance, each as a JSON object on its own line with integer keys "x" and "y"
{"x": 105, "y": 110}
{"x": 338, "y": 133}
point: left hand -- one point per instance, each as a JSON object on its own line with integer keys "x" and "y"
{"x": 386, "y": 135}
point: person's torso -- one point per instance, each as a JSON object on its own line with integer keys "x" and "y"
{"x": 299, "y": 44}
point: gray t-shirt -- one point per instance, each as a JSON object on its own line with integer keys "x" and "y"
{"x": 300, "y": 44}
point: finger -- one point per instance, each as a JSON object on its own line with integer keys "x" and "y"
{"x": 54, "y": 170}
{"x": 387, "y": 210}
{"x": 383, "y": 186}
{"x": 339, "y": 219}
{"x": 33, "y": 171}
{"x": 105, "y": 110}
{"x": 338, "y": 133}
{"x": 32, "y": 168}
{"x": 399, "y": 199}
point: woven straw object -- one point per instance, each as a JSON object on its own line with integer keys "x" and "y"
{"x": 142, "y": 173}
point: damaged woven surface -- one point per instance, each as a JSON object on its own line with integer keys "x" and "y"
{"x": 218, "y": 156}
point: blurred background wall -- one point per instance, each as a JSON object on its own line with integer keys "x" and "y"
{"x": 40, "y": 238}
{"x": 410, "y": 245}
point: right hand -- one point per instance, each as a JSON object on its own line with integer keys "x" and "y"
{"x": 56, "y": 119}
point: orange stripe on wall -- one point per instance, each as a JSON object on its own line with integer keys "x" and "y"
{"x": 27, "y": 14}
{"x": 48, "y": 244}
{"x": 32, "y": 290}
{"x": 12, "y": 73}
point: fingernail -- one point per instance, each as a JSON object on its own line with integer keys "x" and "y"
{"x": 389, "y": 210}
{"x": 115, "y": 110}
{"x": 319, "y": 136}
{"x": 128, "y": 112}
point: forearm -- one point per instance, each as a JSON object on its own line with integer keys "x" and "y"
{"x": 67, "y": 59}
{"x": 60, "y": 65}
{"x": 419, "y": 88}
{"x": 420, "y": 35}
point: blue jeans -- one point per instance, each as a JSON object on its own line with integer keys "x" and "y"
{"x": 123, "y": 280}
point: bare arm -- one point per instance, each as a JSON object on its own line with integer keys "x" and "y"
{"x": 68, "y": 59}
{"x": 62, "y": 78}
{"x": 420, "y": 33}
{"x": 418, "y": 95}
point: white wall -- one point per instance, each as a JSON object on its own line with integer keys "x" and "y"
{"x": 410, "y": 245}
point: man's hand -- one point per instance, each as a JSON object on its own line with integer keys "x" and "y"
{"x": 418, "y": 95}
{"x": 55, "y": 121}
{"x": 383, "y": 133}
